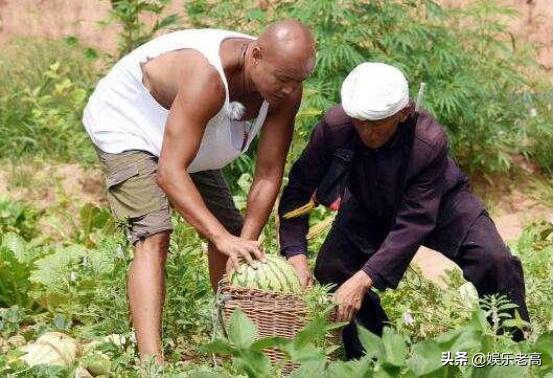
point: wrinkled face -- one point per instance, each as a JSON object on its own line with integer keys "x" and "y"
{"x": 277, "y": 77}
{"x": 375, "y": 134}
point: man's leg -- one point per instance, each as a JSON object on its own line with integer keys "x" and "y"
{"x": 218, "y": 199}
{"x": 137, "y": 200}
{"x": 146, "y": 293}
{"x": 487, "y": 262}
{"x": 338, "y": 260}
{"x": 217, "y": 262}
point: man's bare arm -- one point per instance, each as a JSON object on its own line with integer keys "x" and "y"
{"x": 270, "y": 162}
{"x": 201, "y": 95}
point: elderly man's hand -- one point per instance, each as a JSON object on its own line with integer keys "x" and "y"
{"x": 300, "y": 264}
{"x": 349, "y": 296}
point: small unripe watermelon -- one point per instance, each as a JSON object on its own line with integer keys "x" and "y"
{"x": 276, "y": 274}
{"x": 52, "y": 348}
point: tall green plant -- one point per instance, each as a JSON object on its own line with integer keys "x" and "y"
{"x": 478, "y": 84}
{"x": 129, "y": 14}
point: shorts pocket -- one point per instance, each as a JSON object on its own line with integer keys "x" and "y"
{"x": 133, "y": 191}
{"x": 122, "y": 175}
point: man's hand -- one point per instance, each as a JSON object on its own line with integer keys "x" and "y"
{"x": 350, "y": 294}
{"x": 238, "y": 248}
{"x": 300, "y": 264}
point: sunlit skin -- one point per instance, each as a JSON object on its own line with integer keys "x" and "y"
{"x": 275, "y": 65}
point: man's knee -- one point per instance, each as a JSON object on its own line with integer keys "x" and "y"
{"x": 154, "y": 247}
{"x": 497, "y": 259}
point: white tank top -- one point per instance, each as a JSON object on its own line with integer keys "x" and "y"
{"x": 122, "y": 115}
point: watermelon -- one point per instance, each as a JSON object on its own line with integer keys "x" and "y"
{"x": 52, "y": 348}
{"x": 276, "y": 274}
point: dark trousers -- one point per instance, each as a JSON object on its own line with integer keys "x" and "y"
{"x": 483, "y": 256}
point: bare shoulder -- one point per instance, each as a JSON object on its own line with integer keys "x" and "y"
{"x": 199, "y": 83}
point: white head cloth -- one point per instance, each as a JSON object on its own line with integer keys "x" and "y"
{"x": 374, "y": 91}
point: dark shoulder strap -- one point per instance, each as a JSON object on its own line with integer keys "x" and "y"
{"x": 334, "y": 181}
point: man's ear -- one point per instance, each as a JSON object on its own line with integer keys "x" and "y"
{"x": 257, "y": 54}
{"x": 402, "y": 116}
{"x": 404, "y": 113}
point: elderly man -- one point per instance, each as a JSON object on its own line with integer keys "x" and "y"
{"x": 400, "y": 190}
{"x": 167, "y": 118}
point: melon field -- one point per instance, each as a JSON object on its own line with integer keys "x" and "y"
{"x": 64, "y": 259}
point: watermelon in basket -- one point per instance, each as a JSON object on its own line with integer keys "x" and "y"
{"x": 270, "y": 295}
{"x": 276, "y": 275}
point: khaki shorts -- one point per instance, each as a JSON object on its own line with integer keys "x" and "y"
{"x": 137, "y": 201}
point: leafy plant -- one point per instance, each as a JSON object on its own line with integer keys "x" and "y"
{"x": 19, "y": 218}
{"x": 534, "y": 248}
{"x": 41, "y": 101}
{"x": 486, "y": 99}
{"x": 16, "y": 259}
{"x": 10, "y": 320}
{"x": 246, "y": 349}
{"x": 134, "y": 31}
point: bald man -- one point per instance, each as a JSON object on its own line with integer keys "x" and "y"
{"x": 167, "y": 118}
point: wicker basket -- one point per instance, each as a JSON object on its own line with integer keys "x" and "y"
{"x": 275, "y": 314}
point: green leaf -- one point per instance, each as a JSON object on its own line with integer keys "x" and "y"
{"x": 395, "y": 347}
{"x": 16, "y": 245}
{"x": 426, "y": 358}
{"x": 310, "y": 369}
{"x": 269, "y": 342}
{"x": 497, "y": 371}
{"x": 304, "y": 352}
{"x": 92, "y": 216}
{"x": 256, "y": 364}
{"x": 373, "y": 345}
{"x": 389, "y": 371}
{"x": 91, "y": 53}
{"x": 543, "y": 345}
{"x": 60, "y": 323}
{"x": 242, "y": 330}
{"x": 218, "y": 346}
{"x": 314, "y": 330}
{"x": 169, "y": 21}
{"x": 466, "y": 339}
{"x": 355, "y": 369}
{"x": 479, "y": 321}
{"x": 71, "y": 40}
{"x": 53, "y": 270}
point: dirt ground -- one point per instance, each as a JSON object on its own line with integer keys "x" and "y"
{"x": 44, "y": 184}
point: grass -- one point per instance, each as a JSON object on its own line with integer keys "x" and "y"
{"x": 41, "y": 100}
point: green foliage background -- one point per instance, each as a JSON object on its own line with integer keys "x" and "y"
{"x": 487, "y": 91}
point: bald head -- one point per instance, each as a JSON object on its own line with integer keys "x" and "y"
{"x": 287, "y": 37}
{"x": 281, "y": 59}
